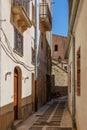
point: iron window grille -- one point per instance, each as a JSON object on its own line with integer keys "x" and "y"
{"x": 24, "y": 3}
{"x": 18, "y": 42}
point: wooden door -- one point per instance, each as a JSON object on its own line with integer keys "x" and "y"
{"x": 15, "y": 96}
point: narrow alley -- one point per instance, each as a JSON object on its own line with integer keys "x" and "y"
{"x": 43, "y": 65}
{"x": 53, "y": 116}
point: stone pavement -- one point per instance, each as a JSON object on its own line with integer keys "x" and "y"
{"x": 48, "y": 115}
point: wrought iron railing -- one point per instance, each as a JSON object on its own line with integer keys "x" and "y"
{"x": 45, "y": 11}
{"x": 24, "y": 3}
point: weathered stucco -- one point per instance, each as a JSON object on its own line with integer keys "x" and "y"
{"x": 80, "y": 33}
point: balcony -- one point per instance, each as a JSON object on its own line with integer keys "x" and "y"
{"x": 45, "y": 17}
{"x": 20, "y": 18}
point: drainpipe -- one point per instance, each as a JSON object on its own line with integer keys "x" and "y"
{"x": 73, "y": 83}
{"x": 36, "y": 47}
{"x": 36, "y": 36}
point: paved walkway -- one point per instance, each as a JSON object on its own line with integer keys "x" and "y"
{"x": 53, "y": 116}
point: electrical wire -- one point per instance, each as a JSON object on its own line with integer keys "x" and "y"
{"x": 10, "y": 53}
{"x": 6, "y": 51}
{"x": 7, "y": 42}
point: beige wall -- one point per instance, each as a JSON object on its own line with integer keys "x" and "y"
{"x": 80, "y": 30}
{"x": 81, "y": 41}
{"x": 60, "y": 76}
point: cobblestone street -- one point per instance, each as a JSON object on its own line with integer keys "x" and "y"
{"x": 53, "y": 116}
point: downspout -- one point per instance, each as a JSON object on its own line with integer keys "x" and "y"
{"x": 36, "y": 36}
{"x": 73, "y": 83}
{"x": 36, "y": 47}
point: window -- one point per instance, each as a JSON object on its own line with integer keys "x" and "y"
{"x": 33, "y": 56}
{"x": 78, "y": 73}
{"x": 70, "y": 79}
{"x": 33, "y": 13}
{"x": 23, "y": 3}
{"x": 18, "y": 45}
{"x": 56, "y": 48}
{"x": 17, "y": 2}
{"x": 65, "y": 67}
{"x": 42, "y": 44}
{"x": 42, "y": 38}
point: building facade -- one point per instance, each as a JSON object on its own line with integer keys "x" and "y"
{"x": 20, "y": 92}
{"x": 58, "y": 46}
{"x": 77, "y": 63}
{"x": 59, "y": 70}
{"x": 44, "y": 54}
{"x": 17, "y": 34}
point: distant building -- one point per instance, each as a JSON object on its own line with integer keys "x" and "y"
{"x": 59, "y": 64}
{"x": 58, "y": 47}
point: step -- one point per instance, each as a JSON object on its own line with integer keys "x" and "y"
{"x": 17, "y": 123}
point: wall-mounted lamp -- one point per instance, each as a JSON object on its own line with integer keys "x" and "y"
{"x": 25, "y": 79}
{"x": 59, "y": 59}
{"x": 8, "y": 73}
{"x": 2, "y": 20}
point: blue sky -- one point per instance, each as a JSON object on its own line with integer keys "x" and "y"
{"x": 60, "y": 17}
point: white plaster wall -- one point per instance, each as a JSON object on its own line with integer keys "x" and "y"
{"x": 7, "y": 65}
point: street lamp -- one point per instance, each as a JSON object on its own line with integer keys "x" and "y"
{"x": 59, "y": 59}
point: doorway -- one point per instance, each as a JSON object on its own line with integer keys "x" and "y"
{"x": 17, "y": 93}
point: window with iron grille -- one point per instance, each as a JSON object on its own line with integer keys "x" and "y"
{"x": 33, "y": 13}
{"x": 70, "y": 79}
{"x": 33, "y": 56}
{"x": 18, "y": 42}
{"x": 24, "y": 3}
{"x": 78, "y": 73}
{"x": 17, "y": 2}
{"x": 42, "y": 38}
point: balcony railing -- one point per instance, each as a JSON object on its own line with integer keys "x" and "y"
{"x": 45, "y": 16}
{"x": 23, "y": 3}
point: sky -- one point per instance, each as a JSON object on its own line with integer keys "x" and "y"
{"x": 60, "y": 17}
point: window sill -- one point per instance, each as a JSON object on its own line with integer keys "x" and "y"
{"x": 18, "y": 53}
